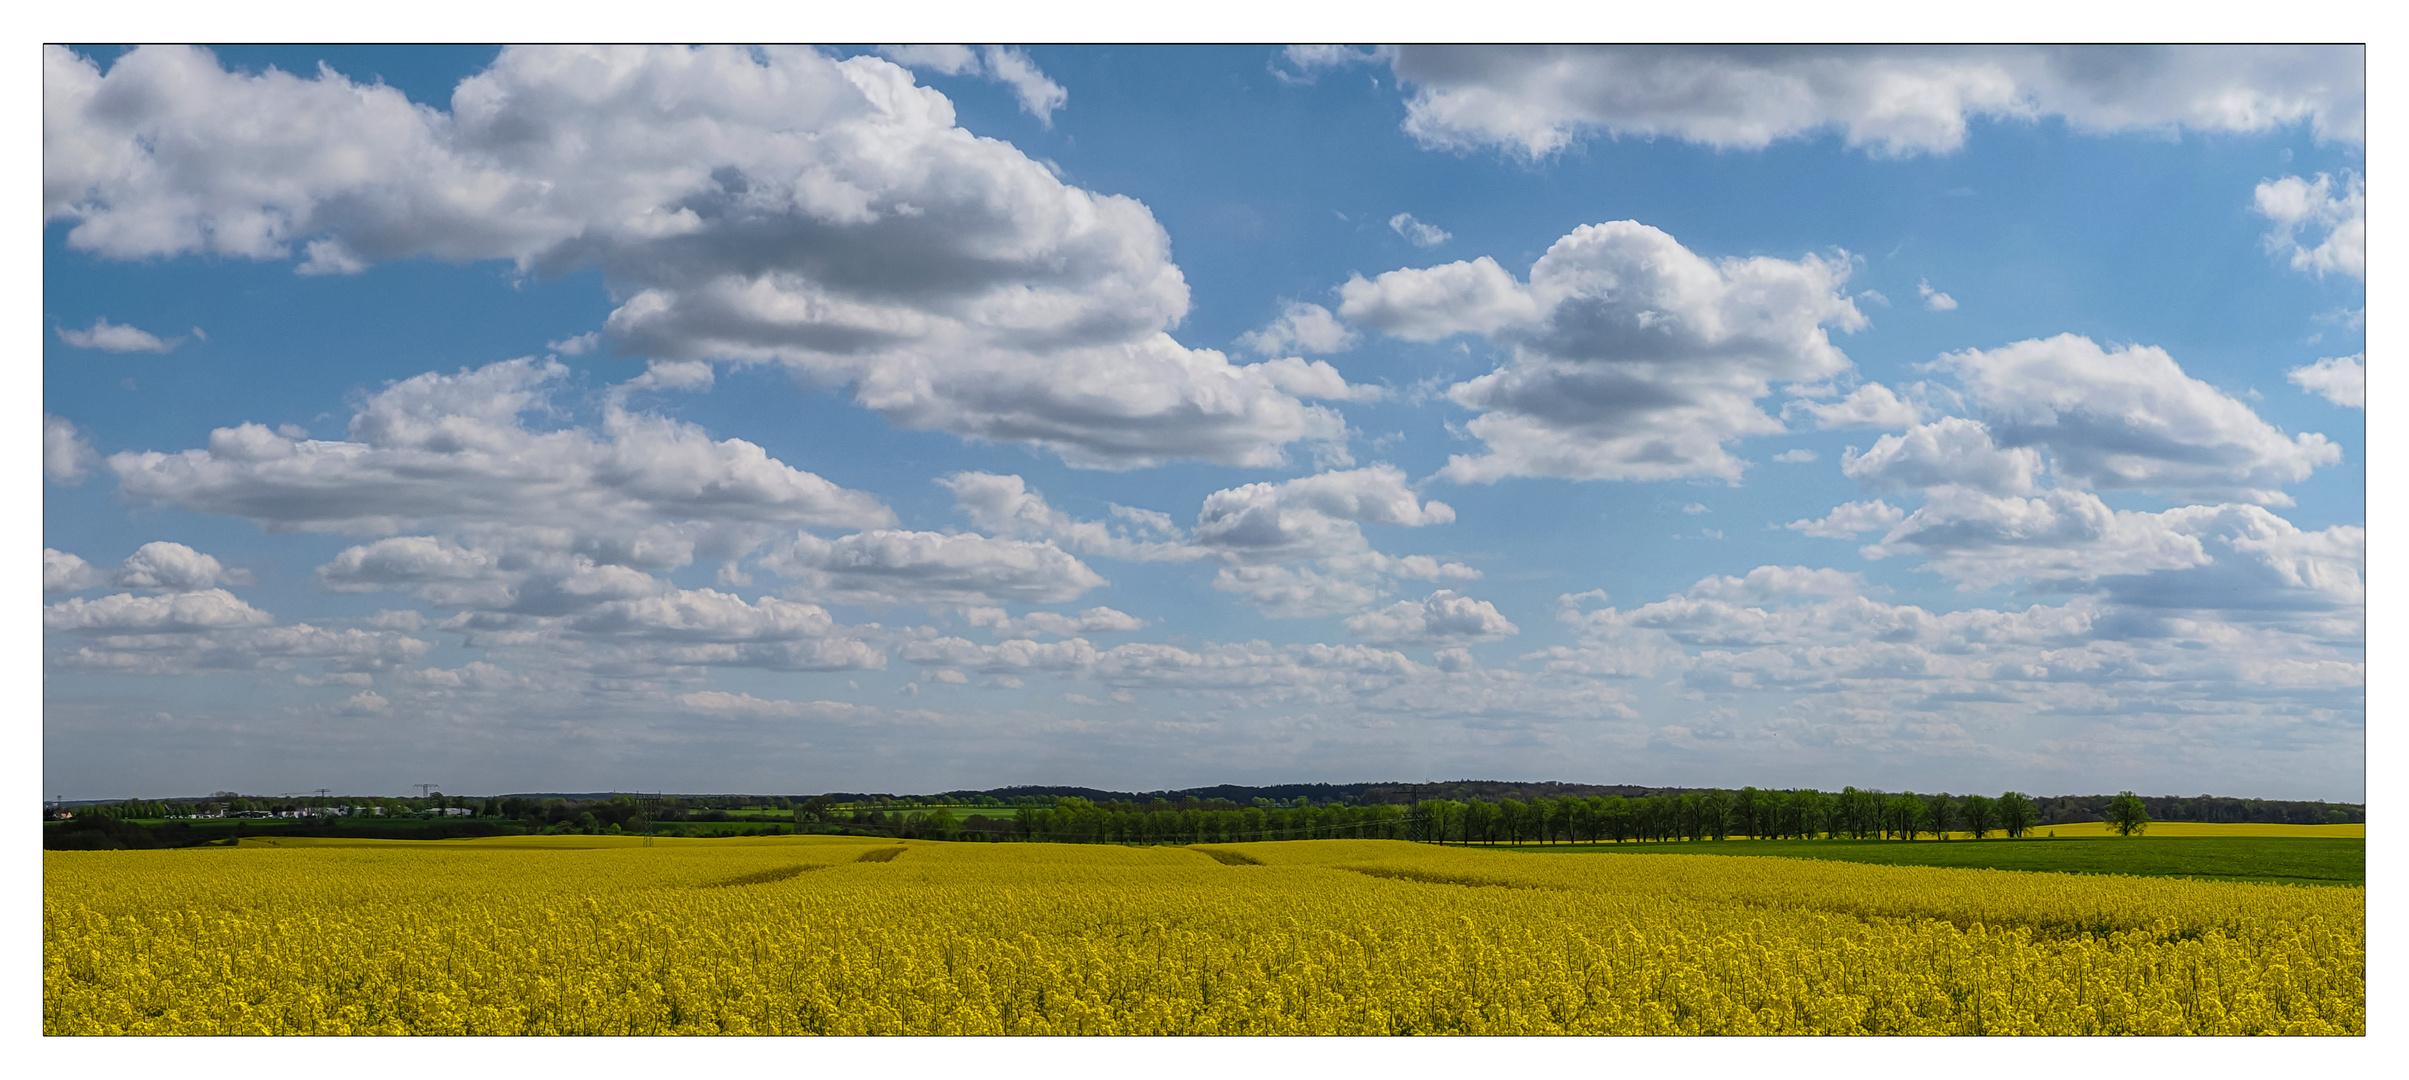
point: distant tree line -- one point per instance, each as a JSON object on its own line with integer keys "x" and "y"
{"x": 139, "y": 823}
{"x": 2049, "y": 810}
{"x": 1704, "y": 814}
{"x": 229, "y": 804}
{"x": 1714, "y": 814}
{"x": 2209, "y": 808}
{"x": 1444, "y": 813}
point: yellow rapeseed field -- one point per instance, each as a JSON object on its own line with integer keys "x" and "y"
{"x": 570, "y": 935}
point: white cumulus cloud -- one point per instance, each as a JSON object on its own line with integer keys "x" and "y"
{"x": 1442, "y": 618}
{"x": 1313, "y": 59}
{"x": 63, "y": 572}
{"x": 1039, "y": 96}
{"x": 2339, "y": 379}
{"x": 576, "y": 344}
{"x": 126, "y": 613}
{"x": 1095, "y": 620}
{"x": 1311, "y": 517}
{"x": 66, "y": 457}
{"x": 1872, "y": 405}
{"x": 403, "y": 561}
{"x": 1634, "y": 358}
{"x": 2131, "y": 418}
{"x": 161, "y": 566}
{"x": 692, "y": 375}
{"x": 1848, "y": 520}
{"x": 1477, "y": 297}
{"x": 756, "y": 206}
{"x": 1301, "y": 328}
{"x": 1536, "y": 100}
{"x": 1297, "y": 549}
{"x": 167, "y": 566}
{"x": 1951, "y": 450}
{"x": 112, "y": 337}
{"x": 442, "y": 448}
{"x": 1419, "y": 234}
{"x": 896, "y": 568}
{"x": 1004, "y": 506}
{"x": 1299, "y": 377}
{"x": 2298, "y": 206}
{"x": 2232, "y": 557}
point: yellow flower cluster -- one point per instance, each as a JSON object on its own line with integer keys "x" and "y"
{"x": 572, "y": 935}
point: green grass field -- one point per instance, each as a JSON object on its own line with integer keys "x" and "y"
{"x": 2281, "y": 860}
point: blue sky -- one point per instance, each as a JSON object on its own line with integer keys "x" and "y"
{"x": 865, "y": 419}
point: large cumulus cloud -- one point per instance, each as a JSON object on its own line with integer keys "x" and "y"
{"x": 2131, "y": 417}
{"x": 1634, "y": 358}
{"x": 767, "y": 205}
{"x": 2017, "y": 495}
{"x": 448, "y": 449}
{"x": 544, "y": 544}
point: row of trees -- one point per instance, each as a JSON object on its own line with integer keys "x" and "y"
{"x": 625, "y": 813}
{"x": 1851, "y": 813}
{"x": 1715, "y": 814}
{"x": 1806, "y": 814}
{"x": 1075, "y": 820}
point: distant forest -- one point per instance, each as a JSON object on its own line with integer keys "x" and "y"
{"x": 1461, "y": 816}
{"x": 2052, "y": 809}
{"x": 1464, "y": 811}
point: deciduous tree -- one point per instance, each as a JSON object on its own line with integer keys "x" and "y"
{"x": 1906, "y": 817}
{"x": 2126, "y": 814}
{"x": 1981, "y": 816}
{"x": 2016, "y": 814}
{"x": 1941, "y": 815}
